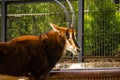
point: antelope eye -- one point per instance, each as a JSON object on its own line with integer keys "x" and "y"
{"x": 67, "y": 35}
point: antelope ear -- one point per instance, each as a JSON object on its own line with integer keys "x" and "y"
{"x": 55, "y": 27}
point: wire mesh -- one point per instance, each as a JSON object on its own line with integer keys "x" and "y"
{"x": 33, "y": 17}
{"x": 101, "y": 28}
{"x": 101, "y": 23}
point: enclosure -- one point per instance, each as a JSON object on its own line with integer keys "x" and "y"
{"x": 97, "y": 25}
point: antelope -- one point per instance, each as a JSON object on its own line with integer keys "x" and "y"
{"x": 35, "y": 56}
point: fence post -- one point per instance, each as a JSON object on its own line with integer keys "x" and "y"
{"x": 4, "y": 20}
{"x": 80, "y": 27}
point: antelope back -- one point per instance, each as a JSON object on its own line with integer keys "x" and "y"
{"x": 70, "y": 36}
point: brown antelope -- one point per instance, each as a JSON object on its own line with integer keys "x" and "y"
{"x": 35, "y": 56}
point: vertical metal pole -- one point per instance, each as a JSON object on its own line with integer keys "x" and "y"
{"x": 80, "y": 27}
{"x": 4, "y": 20}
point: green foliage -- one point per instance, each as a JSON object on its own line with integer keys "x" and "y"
{"x": 101, "y": 28}
{"x": 103, "y": 36}
{"x": 34, "y": 18}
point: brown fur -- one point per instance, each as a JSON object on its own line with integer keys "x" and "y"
{"x": 31, "y": 55}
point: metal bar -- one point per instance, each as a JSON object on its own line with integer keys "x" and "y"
{"x": 80, "y": 27}
{"x": 29, "y": 1}
{"x": 88, "y": 74}
{"x": 4, "y": 21}
{"x": 33, "y": 14}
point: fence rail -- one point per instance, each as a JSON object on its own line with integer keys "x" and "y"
{"x": 86, "y": 74}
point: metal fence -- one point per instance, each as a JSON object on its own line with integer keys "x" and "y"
{"x": 100, "y": 36}
{"x": 101, "y": 29}
{"x": 32, "y": 17}
{"x": 85, "y": 74}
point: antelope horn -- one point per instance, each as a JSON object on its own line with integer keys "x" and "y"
{"x": 73, "y": 14}
{"x": 66, "y": 12}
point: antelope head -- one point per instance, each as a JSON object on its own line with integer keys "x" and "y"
{"x": 70, "y": 36}
{"x": 70, "y": 32}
